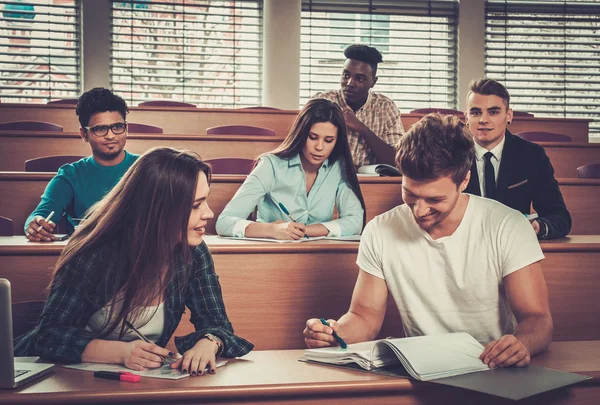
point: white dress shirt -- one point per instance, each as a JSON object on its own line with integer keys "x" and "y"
{"x": 480, "y": 160}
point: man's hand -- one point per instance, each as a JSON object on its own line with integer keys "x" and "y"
{"x": 318, "y": 335}
{"x": 39, "y": 230}
{"x": 536, "y": 226}
{"x": 505, "y": 352}
{"x": 351, "y": 121}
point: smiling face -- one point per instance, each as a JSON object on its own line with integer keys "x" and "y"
{"x": 487, "y": 118}
{"x": 108, "y": 150}
{"x": 200, "y": 213}
{"x": 434, "y": 203}
{"x": 357, "y": 79}
{"x": 319, "y": 144}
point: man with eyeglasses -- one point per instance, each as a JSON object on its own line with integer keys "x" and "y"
{"x": 78, "y": 186}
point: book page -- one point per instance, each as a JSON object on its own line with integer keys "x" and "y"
{"x": 437, "y": 356}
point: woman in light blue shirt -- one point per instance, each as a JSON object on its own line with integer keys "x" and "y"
{"x": 310, "y": 173}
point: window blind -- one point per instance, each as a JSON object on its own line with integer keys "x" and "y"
{"x": 547, "y": 54}
{"x": 418, "y": 41}
{"x": 39, "y": 50}
{"x": 203, "y": 52}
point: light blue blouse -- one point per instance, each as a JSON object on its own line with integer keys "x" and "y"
{"x": 276, "y": 180}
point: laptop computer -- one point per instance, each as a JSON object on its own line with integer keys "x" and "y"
{"x": 13, "y": 373}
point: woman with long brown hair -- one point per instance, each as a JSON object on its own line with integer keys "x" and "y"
{"x": 139, "y": 258}
{"x": 308, "y": 175}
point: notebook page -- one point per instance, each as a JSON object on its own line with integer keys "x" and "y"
{"x": 437, "y": 356}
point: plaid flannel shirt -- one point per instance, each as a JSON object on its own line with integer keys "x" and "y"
{"x": 379, "y": 114}
{"x": 78, "y": 292}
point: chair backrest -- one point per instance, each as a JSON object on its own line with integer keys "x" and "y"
{"x": 165, "y": 103}
{"x": 134, "y": 128}
{"x": 67, "y": 101}
{"x": 258, "y": 107}
{"x": 591, "y": 171}
{"x": 231, "y": 165}
{"x": 29, "y": 126}
{"x": 25, "y": 316}
{"x": 541, "y": 136}
{"x": 521, "y": 114}
{"x": 6, "y": 227}
{"x": 239, "y": 130}
{"x": 445, "y": 111}
{"x": 49, "y": 163}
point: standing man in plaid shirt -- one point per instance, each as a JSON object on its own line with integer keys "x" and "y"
{"x": 373, "y": 120}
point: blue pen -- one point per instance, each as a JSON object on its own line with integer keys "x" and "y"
{"x": 286, "y": 212}
{"x": 337, "y": 338}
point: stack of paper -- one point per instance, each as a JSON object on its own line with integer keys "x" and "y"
{"x": 359, "y": 353}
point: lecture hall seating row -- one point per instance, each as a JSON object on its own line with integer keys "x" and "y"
{"x": 177, "y": 120}
{"x": 271, "y": 289}
{"x": 380, "y": 193}
{"x": 19, "y": 146}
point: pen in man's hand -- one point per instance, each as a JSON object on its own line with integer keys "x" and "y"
{"x": 286, "y": 212}
{"x": 337, "y": 338}
{"x": 144, "y": 338}
{"x": 47, "y": 219}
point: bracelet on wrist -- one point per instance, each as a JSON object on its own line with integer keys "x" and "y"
{"x": 216, "y": 340}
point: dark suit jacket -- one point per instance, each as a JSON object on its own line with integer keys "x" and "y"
{"x": 526, "y": 175}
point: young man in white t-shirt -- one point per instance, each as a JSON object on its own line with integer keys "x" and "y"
{"x": 451, "y": 261}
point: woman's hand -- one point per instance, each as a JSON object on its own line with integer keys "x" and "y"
{"x": 141, "y": 356}
{"x": 196, "y": 360}
{"x": 288, "y": 230}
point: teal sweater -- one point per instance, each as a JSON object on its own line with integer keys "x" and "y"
{"x": 77, "y": 186}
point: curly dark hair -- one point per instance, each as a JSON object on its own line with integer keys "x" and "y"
{"x": 434, "y": 147}
{"x": 98, "y": 100}
{"x": 364, "y": 53}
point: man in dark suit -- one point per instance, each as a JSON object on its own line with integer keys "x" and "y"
{"x": 509, "y": 169}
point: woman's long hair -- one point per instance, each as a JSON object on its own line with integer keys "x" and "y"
{"x": 145, "y": 218}
{"x": 315, "y": 111}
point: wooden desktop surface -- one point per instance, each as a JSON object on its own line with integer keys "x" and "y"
{"x": 277, "y": 377}
{"x": 19, "y": 146}
{"x": 178, "y": 120}
{"x": 283, "y": 285}
{"x": 380, "y": 193}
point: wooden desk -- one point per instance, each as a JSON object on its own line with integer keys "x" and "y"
{"x": 277, "y": 377}
{"x": 185, "y": 120}
{"x": 381, "y": 194}
{"x": 271, "y": 289}
{"x": 17, "y": 147}
{"x": 566, "y": 157}
{"x": 173, "y": 120}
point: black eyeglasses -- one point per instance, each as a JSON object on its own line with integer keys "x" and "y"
{"x": 102, "y": 130}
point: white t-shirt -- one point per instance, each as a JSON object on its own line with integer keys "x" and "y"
{"x": 151, "y": 324}
{"x": 454, "y": 283}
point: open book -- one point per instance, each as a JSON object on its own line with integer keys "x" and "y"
{"x": 380, "y": 169}
{"x": 449, "y": 359}
{"x": 424, "y": 357}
